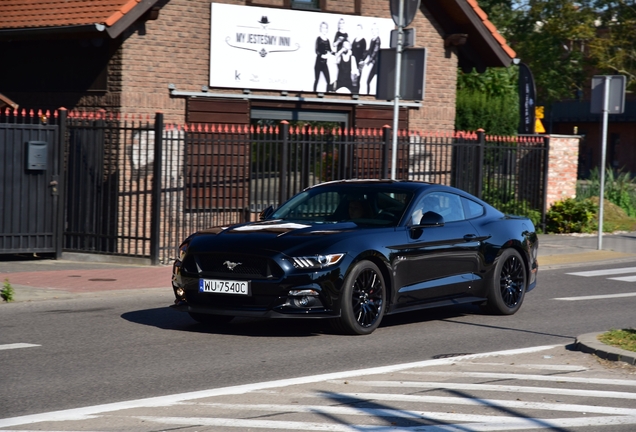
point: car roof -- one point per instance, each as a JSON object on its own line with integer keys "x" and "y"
{"x": 410, "y": 185}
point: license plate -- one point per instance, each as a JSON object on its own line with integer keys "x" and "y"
{"x": 224, "y": 286}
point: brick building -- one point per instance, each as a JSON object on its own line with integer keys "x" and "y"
{"x": 143, "y": 56}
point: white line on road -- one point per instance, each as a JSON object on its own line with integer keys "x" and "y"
{"x": 17, "y": 345}
{"x": 597, "y": 297}
{"x": 625, "y": 279}
{"x": 452, "y": 400}
{"x": 497, "y": 423}
{"x": 169, "y": 400}
{"x": 392, "y": 397}
{"x": 528, "y": 377}
{"x": 493, "y": 388}
{"x": 605, "y": 272}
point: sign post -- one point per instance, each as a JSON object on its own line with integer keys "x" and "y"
{"x": 608, "y": 97}
{"x": 396, "y": 100}
{"x": 404, "y": 16}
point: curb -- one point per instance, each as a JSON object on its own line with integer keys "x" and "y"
{"x": 589, "y": 343}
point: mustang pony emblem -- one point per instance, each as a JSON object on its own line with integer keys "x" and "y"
{"x": 230, "y": 265}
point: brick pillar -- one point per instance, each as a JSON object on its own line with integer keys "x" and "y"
{"x": 562, "y": 167}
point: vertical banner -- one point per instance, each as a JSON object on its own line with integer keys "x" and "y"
{"x": 527, "y": 100}
{"x": 291, "y": 50}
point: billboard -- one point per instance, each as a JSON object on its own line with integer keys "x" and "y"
{"x": 290, "y": 50}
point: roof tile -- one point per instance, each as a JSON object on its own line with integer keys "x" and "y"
{"x": 491, "y": 28}
{"x": 18, "y": 14}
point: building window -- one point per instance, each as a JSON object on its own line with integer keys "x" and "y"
{"x": 305, "y": 4}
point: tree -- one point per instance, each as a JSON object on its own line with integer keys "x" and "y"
{"x": 613, "y": 49}
{"x": 488, "y": 101}
{"x": 551, "y": 36}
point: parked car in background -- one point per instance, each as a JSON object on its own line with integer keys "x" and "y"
{"x": 353, "y": 251}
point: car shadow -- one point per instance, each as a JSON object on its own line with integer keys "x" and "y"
{"x": 169, "y": 319}
{"x": 433, "y": 314}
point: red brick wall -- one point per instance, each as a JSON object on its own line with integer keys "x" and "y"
{"x": 562, "y": 168}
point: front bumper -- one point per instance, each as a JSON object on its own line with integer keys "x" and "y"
{"x": 269, "y": 298}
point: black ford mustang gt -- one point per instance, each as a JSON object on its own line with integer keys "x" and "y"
{"x": 356, "y": 250}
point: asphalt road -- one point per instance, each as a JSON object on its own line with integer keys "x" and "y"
{"x": 103, "y": 349}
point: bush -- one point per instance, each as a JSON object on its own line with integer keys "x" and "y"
{"x": 620, "y": 189}
{"x": 572, "y": 216}
{"x": 7, "y": 293}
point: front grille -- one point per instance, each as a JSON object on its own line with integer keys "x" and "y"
{"x": 227, "y": 265}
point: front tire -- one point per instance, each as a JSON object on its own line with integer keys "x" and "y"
{"x": 363, "y": 300}
{"x": 507, "y": 287}
{"x": 208, "y": 319}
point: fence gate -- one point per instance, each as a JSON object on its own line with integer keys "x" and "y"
{"x": 30, "y": 187}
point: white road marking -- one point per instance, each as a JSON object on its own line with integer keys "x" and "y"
{"x": 605, "y": 272}
{"x": 569, "y": 368}
{"x": 526, "y": 377}
{"x": 625, "y": 279}
{"x": 597, "y": 297}
{"x": 497, "y": 423}
{"x": 493, "y": 388}
{"x": 169, "y": 400}
{"x": 17, "y": 345}
{"x": 494, "y": 403}
{"x": 452, "y": 400}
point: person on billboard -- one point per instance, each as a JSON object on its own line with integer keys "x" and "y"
{"x": 358, "y": 48}
{"x": 341, "y": 35}
{"x": 371, "y": 60}
{"x": 347, "y": 69}
{"x": 323, "y": 53}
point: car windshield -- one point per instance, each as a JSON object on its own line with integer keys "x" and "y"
{"x": 363, "y": 204}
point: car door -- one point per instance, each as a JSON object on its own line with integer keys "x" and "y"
{"x": 437, "y": 260}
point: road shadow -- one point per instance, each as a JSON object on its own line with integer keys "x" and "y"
{"x": 169, "y": 319}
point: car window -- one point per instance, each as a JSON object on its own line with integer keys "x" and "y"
{"x": 341, "y": 203}
{"x": 472, "y": 209}
{"x": 448, "y": 205}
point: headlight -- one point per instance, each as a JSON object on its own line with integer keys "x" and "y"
{"x": 316, "y": 261}
{"x": 183, "y": 249}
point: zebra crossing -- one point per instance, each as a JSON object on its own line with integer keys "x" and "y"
{"x": 541, "y": 388}
{"x": 610, "y": 272}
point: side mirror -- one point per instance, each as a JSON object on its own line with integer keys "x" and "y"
{"x": 266, "y": 213}
{"x": 431, "y": 219}
{"x": 428, "y": 220}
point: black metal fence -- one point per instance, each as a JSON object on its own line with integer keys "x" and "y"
{"x": 137, "y": 187}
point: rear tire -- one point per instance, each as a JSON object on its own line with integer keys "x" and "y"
{"x": 363, "y": 300}
{"x": 507, "y": 287}
{"x": 208, "y": 319}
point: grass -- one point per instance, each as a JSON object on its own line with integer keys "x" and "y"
{"x": 615, "y": 218}
{"x": 625, "y": 339}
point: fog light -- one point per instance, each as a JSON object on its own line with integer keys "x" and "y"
{"x": 180, "y": 293}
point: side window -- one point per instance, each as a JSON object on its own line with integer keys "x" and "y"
{"x": 448, "y": 205}
{"x": 472, "y": 208}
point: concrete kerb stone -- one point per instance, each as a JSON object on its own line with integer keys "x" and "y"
{"x": 589, "y": 343}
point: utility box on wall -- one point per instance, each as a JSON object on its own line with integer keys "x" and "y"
{"x": 36, "y": 155}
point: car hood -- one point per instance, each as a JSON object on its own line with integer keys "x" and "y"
{"x": 275, "y": 235}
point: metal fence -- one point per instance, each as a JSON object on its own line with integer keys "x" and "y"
{"x": 137, "y": 187}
